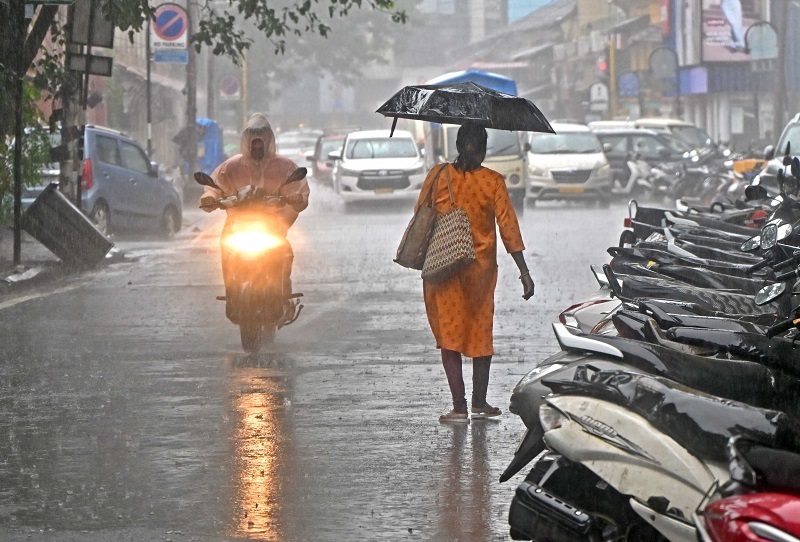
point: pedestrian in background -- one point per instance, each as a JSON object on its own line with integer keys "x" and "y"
{"x": 461, "y": 309}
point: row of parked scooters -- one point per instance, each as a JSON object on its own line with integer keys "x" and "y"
{"x": 672, "y": 410}
{"x": 707, "y": 178}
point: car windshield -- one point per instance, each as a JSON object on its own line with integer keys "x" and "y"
{"x": 381, "y": 147}
{"x": 674, "y": 144}
{"x": 498, "y": 142}
{"x": 329, "y": 146}
{"x": 565, "y": 143}
{"x": 294, "y": 141}
{"x": 791, "y": 137}
{"x": 692, "y": 135}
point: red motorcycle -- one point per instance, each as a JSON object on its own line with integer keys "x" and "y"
{"x": 761, "y": 503}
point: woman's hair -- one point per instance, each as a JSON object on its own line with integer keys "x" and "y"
{"x": 471, "y": 147}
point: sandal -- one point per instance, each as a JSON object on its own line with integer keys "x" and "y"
{"x": 486, "y": 411}
{"x": 454, "y": 417}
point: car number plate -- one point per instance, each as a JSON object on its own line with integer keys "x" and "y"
{"x": 384, "y": 190}
{"x": 571, "y": 189}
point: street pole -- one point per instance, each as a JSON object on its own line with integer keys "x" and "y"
{"x": 780, "y": 73}
{"x": 149, "y": 96}
{"x": 211, "y": 104}
{"x": 612, "y": 76}
{"x": 191, "y": 93}
{"x": 17, "y": 12}
{"x": 244, "y": 89}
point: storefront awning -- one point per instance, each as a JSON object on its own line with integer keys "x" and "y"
{"x": 533, "y": 52}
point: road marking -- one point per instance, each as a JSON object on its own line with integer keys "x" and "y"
{"x": 30, "y": 297}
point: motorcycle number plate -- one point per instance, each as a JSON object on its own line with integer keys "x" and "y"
{"x": 384, "y": 190}
{"x": 571, "y": 189}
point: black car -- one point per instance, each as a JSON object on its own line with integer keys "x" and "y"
{"x": 619, "y": 144}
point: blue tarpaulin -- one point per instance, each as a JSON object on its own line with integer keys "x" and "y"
{"x": 490, "y": 80}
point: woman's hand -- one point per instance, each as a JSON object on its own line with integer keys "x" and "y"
{"x": 527, "y": 286}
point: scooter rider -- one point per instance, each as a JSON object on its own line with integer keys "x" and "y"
{"x": 258, "y": 165}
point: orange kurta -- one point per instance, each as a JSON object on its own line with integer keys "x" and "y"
{"x": 461, "y": 309}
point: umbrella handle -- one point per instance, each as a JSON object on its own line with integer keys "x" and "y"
{"x": 394, "y": 124}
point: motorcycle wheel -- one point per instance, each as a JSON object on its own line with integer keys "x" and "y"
{"x": 252, "y": 336}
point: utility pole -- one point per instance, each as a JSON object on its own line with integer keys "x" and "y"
{"x": 191, "y": 92}
{"x": 780, "y": 72}
{"x": 211, "y": 96}
{"x": 148, "y": 92}
{"x": 17, "y": 12}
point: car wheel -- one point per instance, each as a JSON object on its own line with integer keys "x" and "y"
{"x": 101, "y": 216}
{"x": 170, "y": 222}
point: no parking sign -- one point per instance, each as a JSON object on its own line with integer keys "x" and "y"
{"x": 169, "y": 28}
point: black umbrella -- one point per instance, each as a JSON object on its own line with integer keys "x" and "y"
{"x": 465, "y": 102}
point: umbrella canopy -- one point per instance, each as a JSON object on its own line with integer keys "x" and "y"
{"x": 465, "y": 102}
{"x": 494, "y": 81}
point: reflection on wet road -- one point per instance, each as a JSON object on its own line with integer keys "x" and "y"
{"x": 128, "y": 412}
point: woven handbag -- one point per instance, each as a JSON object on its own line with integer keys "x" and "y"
{"x": 451, "y": 247}
{"x": 414, "y": 245}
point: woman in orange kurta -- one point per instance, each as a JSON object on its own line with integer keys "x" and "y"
{"x": 461, "y": 309}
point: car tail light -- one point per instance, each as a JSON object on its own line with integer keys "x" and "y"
{"x": 87, "y": 181}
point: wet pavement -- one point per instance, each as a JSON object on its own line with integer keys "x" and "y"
{"x": 129, "y": 412}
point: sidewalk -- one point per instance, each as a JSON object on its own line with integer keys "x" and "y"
{"x": 38, "y": 265}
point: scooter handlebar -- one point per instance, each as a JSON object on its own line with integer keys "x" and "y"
{"x": 789, "y": 275}
{"x": 760, "y": 265}
{"x": 779, "y": 328}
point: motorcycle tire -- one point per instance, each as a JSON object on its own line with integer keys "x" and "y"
{"x": 252, "y": 336}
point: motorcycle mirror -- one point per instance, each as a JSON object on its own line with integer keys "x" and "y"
{"x": 784, "y": 231}
{"x": 770, "y": 293}
{"x": 751, "y": 244}
{"x": 796, "y": 166}
{"x": 755, "y": 192}
{"x": 787, "y": 160}
{"x": 205, "y": 179}
{"x": 297, "y": 175}
{"x": 769, "y": 236}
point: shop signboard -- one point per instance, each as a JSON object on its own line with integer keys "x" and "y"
{"x": 724, "y": 26}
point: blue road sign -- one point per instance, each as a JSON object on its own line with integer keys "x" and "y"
{"x": 171, "y": 56}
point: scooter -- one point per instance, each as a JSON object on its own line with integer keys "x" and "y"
{"x": 256, "y": 297}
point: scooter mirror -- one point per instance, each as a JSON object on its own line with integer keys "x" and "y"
{"x": 796, "y": 166}
{"x": 769, "y": 236}
{"x": 784, "y": 231}
{"x": 770, "y": 293}
{"x": 751, "y": 244}
{"x": 205, "y": 179}
{"x": 755, "y": 192}
{"x": 296, "y": 175}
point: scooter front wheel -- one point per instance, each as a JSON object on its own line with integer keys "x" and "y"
{"x": 252, "y": 336}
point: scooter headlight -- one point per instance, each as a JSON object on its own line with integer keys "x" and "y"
{"x": 253, "y": 242}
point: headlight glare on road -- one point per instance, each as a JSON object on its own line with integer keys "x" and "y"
{"x": 252, "y": 242}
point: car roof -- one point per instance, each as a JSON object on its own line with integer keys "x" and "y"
{"x": 569, "y": 127}
{"x": 106, "y": 130}
{"x": 626, "y": 131}
{"x": 603, "y": 124}
{"x": 366, "y": 134}
{"x": 661, "y": 122}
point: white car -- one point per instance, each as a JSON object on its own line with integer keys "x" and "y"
{"x": 569, "y": 164}
{"x": 372, "y": 166}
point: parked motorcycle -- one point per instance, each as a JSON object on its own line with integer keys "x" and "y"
{"x": 256, "y": 298}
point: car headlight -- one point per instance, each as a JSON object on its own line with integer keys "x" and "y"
{"x": 348, "y": 172}
{"x": 603, "y": 171}
{"x": 536, "y": 171}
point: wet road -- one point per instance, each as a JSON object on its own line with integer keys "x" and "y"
{"x": 128, "y": 411}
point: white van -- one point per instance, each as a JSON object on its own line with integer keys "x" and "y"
{"x": 569, "y": 164}
{"x": 505, "y": 153}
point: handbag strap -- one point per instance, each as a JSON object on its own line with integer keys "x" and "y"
{"x": 434, "y": 184}
{"x": 450, "y": 189}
